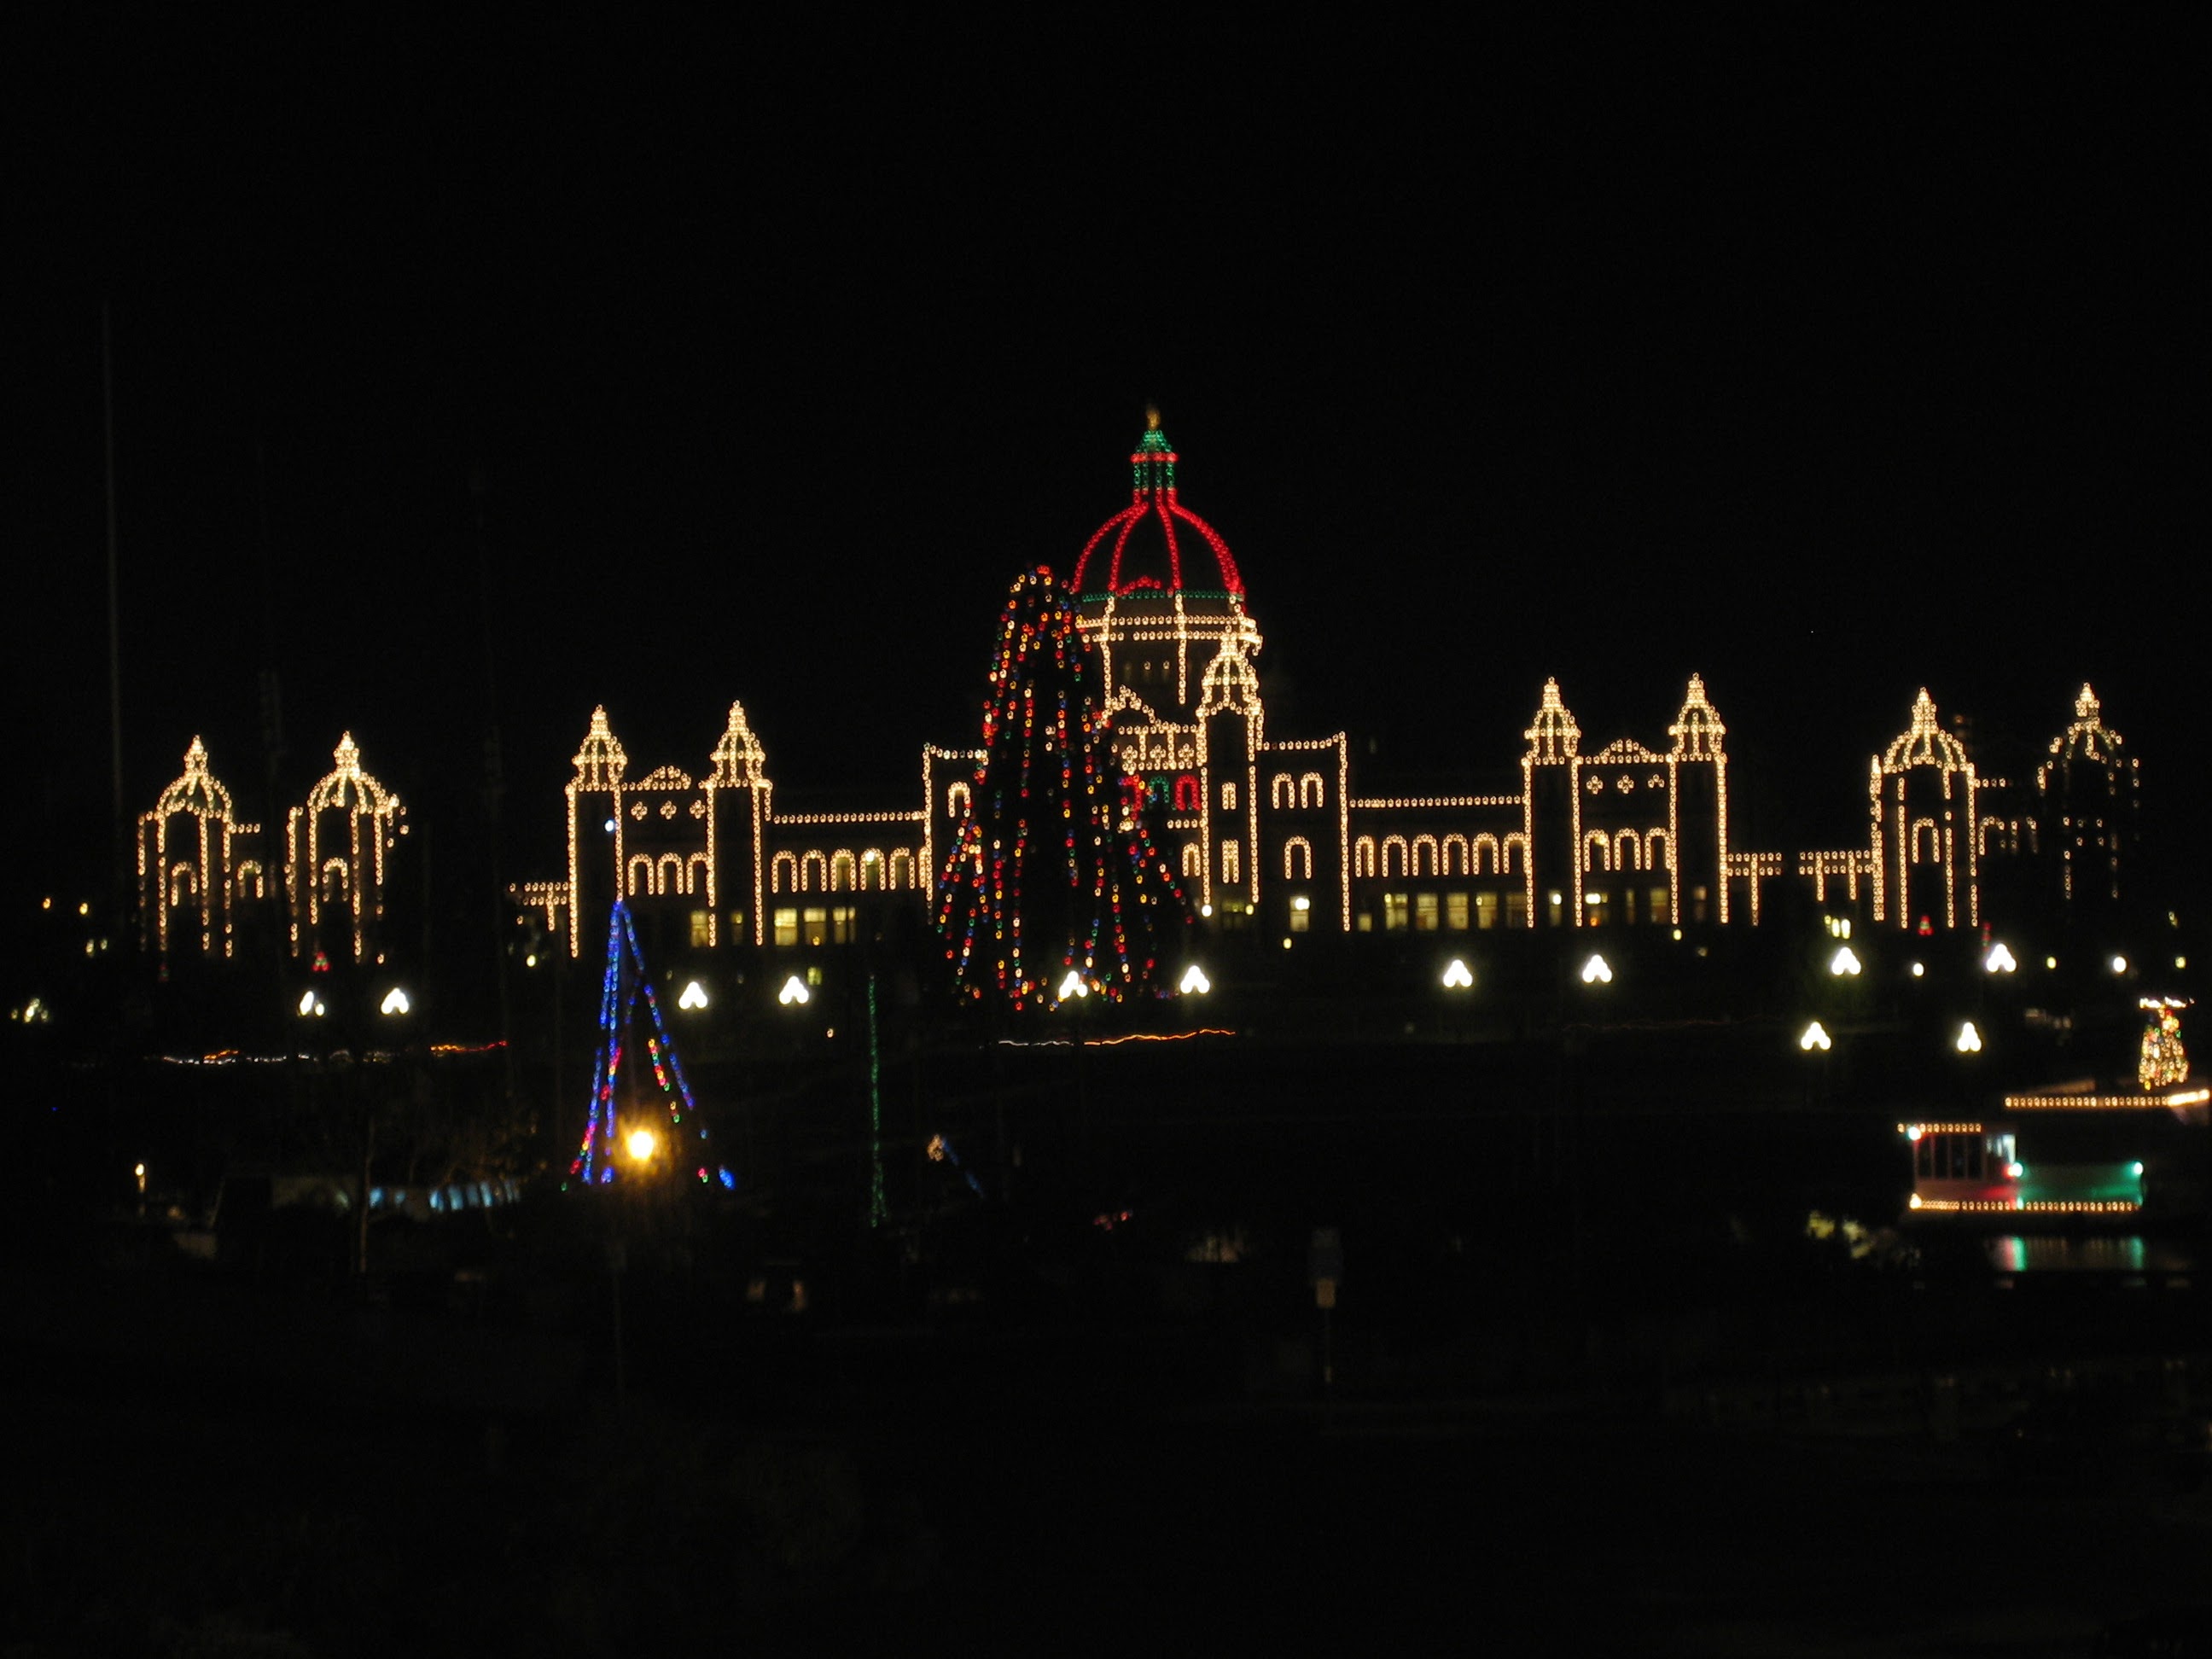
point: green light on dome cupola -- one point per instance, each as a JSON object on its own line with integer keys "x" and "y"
{"x": 1152, "y": 467}
{"x": 1157, "y": 563}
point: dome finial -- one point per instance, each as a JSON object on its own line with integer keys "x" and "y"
{"x": 1152, "y": 417}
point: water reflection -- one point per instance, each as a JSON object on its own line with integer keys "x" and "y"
{"x": 2122, "y": 1253}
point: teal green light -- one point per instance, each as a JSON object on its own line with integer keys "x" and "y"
{"x": 877, "y": 1209}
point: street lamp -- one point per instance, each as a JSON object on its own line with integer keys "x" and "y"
{"x": 1458, "y": 977}
{"x": 395, "y": 1001}
{"x": 1073, "y": 986}
{"x": 641, "y": 1144}
{"x": 1596, "y": 971}
{"x": 694, "y": 997}
{"x": 311, "y": 1005}
{"x": 1844, "y": 962}
{"x": 1999, "y": 960}
{"x": 794, "y": 993}
{"x": 1195, "y": 981}
{"x": 1816, "y": 1037}
{"x": 1969, "y": 1041}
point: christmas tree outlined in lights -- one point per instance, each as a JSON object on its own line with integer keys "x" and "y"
{"x": 598, "y": 1158}
{"x": 1050, "y": 889}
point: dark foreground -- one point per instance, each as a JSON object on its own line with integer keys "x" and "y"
{"x": 202, "y": 1468}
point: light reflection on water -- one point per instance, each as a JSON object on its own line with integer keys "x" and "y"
{"x": 2122, "y": 1253}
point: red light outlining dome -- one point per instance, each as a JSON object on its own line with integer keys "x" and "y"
{"x": 1141, "y": 547}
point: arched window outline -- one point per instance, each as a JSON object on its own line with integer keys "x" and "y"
{"x": 1926, "y": 835}
{"x": 844, "y": 871}
{"x": 184, "y": 885}
{"x": 956, "y": 798}
{"x": 1312, "y": 791}
{"x": 1658, "y": 850}
{"x": 334, "y": 881}
{"x": 1628, "y": 851}
{"x": 1233, "y": 862}
{"x": 1430, "y": 843}
{"x": 900, "y": 868}
{"x": 1297, "y": 859}
{"x": 668, "y": 873}
{"x": 697, "y": 876}
{"x": 1193, "y": 860}
{"x": 1188, "y": 797}
{"x": 1363, "y": 856}
{"x": 1282, "y": 792}
{"x": 783, "y": 873}
{"x": 1516, "y": 843}
{"x": 1389, "y": 842}
{"x": 1594, "y": 841}
{"x": 249, "y": 882}
{"x": 1487, "y": 842}
{"x": 639, "y": 876}
{"x": 1466, "y": 866}
{"x": 813, "y": 867}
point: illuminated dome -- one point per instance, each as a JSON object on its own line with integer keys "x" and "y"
{"x": 347, "y": 788}
{"x": 1156, "y": 544}
{"x": 1697, "y": 730}
{"x": 1926, "y": 744}
{"x": 2088, "y": 738}
{"x": 1554, "y": 738}
{"x": 600, "y": 761}
{"x": 739, "y": 760}
{"x": 1158, "y": 592}
{"x": 197, "y": 791}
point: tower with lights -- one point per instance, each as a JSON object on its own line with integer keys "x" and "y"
{"x": 2087, "y": 795}
{"x": 1924, "y": 827}
{"x": 337, "y": 847}
{"x": 198, "y": 866}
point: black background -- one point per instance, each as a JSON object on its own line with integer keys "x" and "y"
{"x": 600, "y": 363}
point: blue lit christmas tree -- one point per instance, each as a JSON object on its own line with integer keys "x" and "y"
{"x": 1049, "y": 883}
{"x": 610, "y": 1138}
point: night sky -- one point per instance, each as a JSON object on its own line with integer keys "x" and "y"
{"x": 599, "y": 364}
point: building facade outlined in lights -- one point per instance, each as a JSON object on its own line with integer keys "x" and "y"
{"x": 204, "y": 873}
{"x": 1266, "y": 832}
{"x": 1271, "y": 832}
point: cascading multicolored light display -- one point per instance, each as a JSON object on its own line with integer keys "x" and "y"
{"x": 1046, "y": 876}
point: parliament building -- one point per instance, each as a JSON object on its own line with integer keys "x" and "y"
{"x": 1271, "y": 832}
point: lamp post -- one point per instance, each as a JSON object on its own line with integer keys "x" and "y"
{"x": 1074, "y": 992}
{"x": 1814, "y": 1040}
{"x": 1459, "y": 988}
